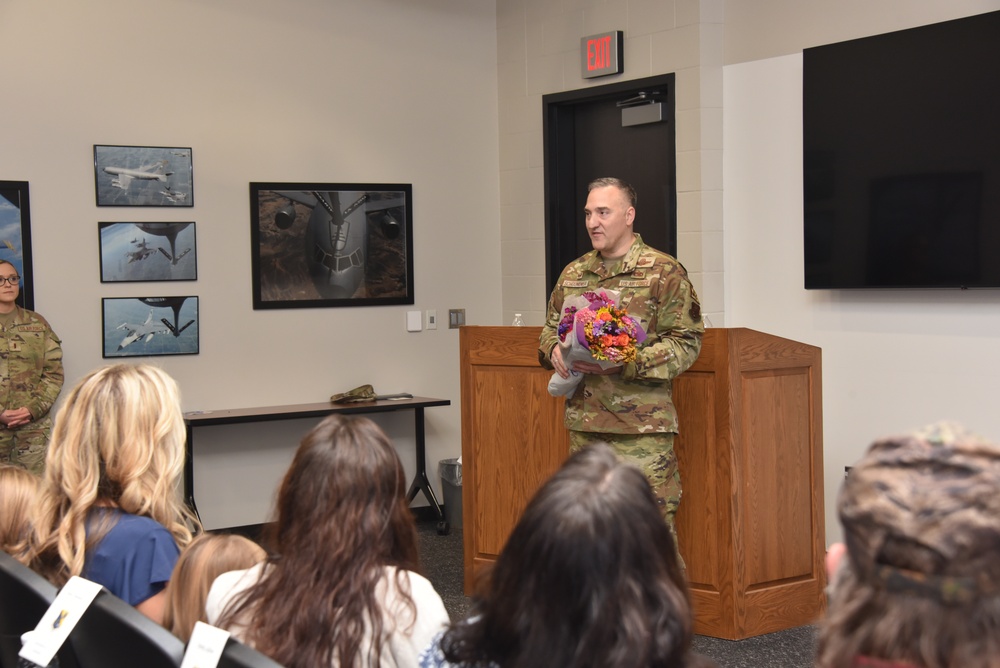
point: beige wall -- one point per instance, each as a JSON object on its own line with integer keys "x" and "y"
{"x": 447, "y": 95}
{"x": 538, "y": 52}
{"x": 264, "y": 90}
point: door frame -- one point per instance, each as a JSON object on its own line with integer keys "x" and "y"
{"x": 558, "y": 140}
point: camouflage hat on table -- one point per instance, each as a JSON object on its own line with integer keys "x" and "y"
{"x": 362, "y": 393}
{"x": 921, "y": 515}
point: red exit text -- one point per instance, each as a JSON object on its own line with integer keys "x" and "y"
{"x": 599, "y": 53}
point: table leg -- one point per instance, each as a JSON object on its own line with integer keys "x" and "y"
{"x": 420, "y": 481}
{"x": 189, "y": 471}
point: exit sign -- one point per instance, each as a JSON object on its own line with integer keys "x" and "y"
{"x": 601, "y": 55}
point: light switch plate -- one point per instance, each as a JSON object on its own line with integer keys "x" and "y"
{"x": 414, "y": 321}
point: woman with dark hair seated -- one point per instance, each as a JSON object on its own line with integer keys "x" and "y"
{"x": 588, "y": 577}
{"x": 339, "y": 587}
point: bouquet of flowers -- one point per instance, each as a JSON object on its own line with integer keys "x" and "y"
{"x": 594, "y": 329}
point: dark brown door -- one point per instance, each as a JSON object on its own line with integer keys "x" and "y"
{"x": 585, "y": 139}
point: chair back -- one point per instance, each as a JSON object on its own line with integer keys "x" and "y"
{"x": 24, "y": 597}
{"x": 113, "y": 634}
{"x": 238, "y": 655}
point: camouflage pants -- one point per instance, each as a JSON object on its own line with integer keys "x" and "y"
{"x": 653, "y": 454}
{"x": 25, "y": 446}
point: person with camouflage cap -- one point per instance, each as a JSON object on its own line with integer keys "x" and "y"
{"x": 630, "y": 406}
{"x": 916, "y": 583}
{"x": 31, "y": 377}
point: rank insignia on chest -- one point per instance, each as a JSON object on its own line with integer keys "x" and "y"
{"x": 14, "y": 346}
{"x": 575, "y": 284}
{"x": 645, "y": 262}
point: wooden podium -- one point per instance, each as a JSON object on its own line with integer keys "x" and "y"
{"x": 750, "y": 523}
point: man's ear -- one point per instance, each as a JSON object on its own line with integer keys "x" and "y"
{"x": 629, "y": 215}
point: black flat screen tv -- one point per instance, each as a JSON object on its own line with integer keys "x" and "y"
{"x": 901, "y": 158}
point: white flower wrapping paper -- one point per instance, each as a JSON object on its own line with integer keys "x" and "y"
{"x": 573, "y": 350}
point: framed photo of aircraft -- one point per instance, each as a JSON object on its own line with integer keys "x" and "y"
{"x": 331, "y": 244}
{"x": 143, "y": 176}
{"x": 150, "y": 326}
{"x": 148, "y": 252}
{"x": 15, "y": 236}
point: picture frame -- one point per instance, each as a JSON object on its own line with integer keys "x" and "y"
{"x": 15, "y": 236}
{"x": 150, "y": 326}
{"x": 132, "y": 252}
{"x": 331, "y": 244}
{"x": 159, "y": 176}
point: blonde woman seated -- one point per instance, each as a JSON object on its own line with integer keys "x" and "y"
{"x": 341, "y": 587}
{"x": 108, "y": 509}
{"x": 206, "y": 558}
{"x": 18, "y": 488}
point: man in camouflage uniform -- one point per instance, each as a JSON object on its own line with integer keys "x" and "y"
{"x": 31, "y": 377}
{"x": 629, "y": 406}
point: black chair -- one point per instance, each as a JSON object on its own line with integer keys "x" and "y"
{"x": 113, "y": 634}
{"x": 238, "y": 655}
{"x": 24, "y": 597}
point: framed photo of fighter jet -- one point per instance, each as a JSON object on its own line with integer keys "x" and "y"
{"x": 15, "y": 236}
{"x": 331, "y": 244}
{"x": 150, "y": 326}
{"x": 148, "y": 252}
{"x": 143, "y": 176}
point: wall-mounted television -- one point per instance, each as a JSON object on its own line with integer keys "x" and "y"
{"x": 901, "y": 158}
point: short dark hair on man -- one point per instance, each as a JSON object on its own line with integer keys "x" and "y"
{"x": 630, "y": 195}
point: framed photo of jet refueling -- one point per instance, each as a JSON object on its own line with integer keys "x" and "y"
{"x": 15, "y": 236}
{"x": 331, "y": 244}
{"x": 148, "y": 252}
{"x": 150, "y": 326}
{"x": 143, "y": 176}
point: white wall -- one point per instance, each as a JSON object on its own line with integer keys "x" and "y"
{"x": 264, "y": 90}
{"x": 892, "y": 360}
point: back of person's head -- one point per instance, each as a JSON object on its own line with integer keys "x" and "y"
{"x": 920, "y": 580}
{"x": 118, "y": 440}
{"x": 18, "y": 488}
{"x": 206, "y": 558}
{"x": 588, "y": 577}
{"x": 342, "y": 518}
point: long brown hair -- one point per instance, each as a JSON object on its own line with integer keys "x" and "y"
{"x": 342, "y": 517}
{"x": 588, "y": 577}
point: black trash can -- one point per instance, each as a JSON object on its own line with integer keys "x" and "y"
{"x": 451, "y": 486}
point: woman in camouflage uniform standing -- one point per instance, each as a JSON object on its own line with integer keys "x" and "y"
{"x": 31, "y": 377}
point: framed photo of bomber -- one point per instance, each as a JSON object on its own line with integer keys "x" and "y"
{"x": 331, "y": 244}
{"x": 148, "y": 252}
{"x": 143, "y": 176}
{"x": 150, "y": 326}
{"x": 15, "y": 236}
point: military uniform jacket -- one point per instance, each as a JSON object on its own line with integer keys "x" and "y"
{"x": 31, "y": 369}
{"x": 655, "y": 290}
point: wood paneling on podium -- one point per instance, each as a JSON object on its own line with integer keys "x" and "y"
{"x": 513, "y": 436}
{"x": 750, "y": 523}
